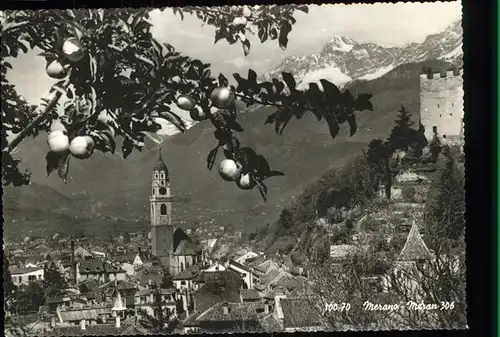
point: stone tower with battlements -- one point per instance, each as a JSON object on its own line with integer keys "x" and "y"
{"x": 442, "y": 104}
{"x": 162, "y": 229}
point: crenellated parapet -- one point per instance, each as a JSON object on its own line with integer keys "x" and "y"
{"x": 442, "y": 74}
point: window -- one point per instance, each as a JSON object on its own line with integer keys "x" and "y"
{"x": 31, "y": 277}
{"x": 183, "y": 283}
{"x": 39, "y": 277}
{"x": 452, "y": 104}
{"x": 20, "y": 279}
{"x": 163, "y": 209}
{"x": 163, "y": 191}
{"x": 156, "y": 175}
{"x": 244, "y": 275}
{"x": 152, "y": 191}
{"x": 438, "y": 105}
{"x": 162, "y": 176}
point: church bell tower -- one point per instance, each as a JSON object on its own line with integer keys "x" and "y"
{"x": 162, "y": 230}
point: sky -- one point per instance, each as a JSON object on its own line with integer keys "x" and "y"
{"x": 381, "y": 23}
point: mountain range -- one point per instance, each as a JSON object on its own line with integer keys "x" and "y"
{"x": 343, "y": 60}
{"x": 108, "y": 195}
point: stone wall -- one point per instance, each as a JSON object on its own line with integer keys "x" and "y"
{"x": 442, "y": 104}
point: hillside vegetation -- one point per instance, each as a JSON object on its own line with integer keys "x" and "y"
{"x": 118, "y": 190}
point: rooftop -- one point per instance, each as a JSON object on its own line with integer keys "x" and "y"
{"x": 415, "y": 247}
{"x": 299, "y": 313}
{"x": 23, "y": 270}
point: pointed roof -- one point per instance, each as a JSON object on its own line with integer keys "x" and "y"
{"x": 415, "y": 247}
{"x": 160, "y": 164}
{"x": 118, "y": 303}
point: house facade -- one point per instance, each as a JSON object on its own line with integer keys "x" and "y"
{"x": 24, "y": 275}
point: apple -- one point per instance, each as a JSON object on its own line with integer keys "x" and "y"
{"x": 229, "y": 170}
{"x": 56, "y": 70}
{"x": 82, "y": 147}
{"x": 246, "y": 11}
{"x": 222, "y": 97}
{"x": 197, "y": 114}
{"x": 185, "y": 102}
{"x": 240, "y": 21}
{"x": 58, "y": 141}
{"x": 73, "y": 49}
{"x": 246, "y": 182}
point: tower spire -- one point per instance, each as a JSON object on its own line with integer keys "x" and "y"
{"x": 160, "y": 164}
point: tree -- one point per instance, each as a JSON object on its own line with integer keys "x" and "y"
{"x": 138, "y": 78}
{"x": 8, "y": 285}
{"x": 54, "y": 283}
{"x": 285, "y": 219}
{"x": 445, "y": 206}
{"x": 160, "y": 321}
{"x": 166, "y": 281}
{"x": 401, "y": 136}
{"x": 30, "y": 297}
{"x": 378, "y": 156}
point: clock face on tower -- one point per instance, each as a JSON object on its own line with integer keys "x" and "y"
{"x": 162, "y": 191}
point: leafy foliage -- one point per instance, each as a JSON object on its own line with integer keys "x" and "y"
{"x": 54, "y": 283}
{"x": 160, "y": 321}
{"x": 125, "y": 84}
{"x": 29, "y": 297}
{"x": 446, "y": 199}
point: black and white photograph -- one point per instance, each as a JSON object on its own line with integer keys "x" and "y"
{"x": 233, "y": 169}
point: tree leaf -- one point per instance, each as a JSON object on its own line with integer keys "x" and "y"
{"x": 219, "y": 35}
{"x": 303, "y": 8}
{"x": 262, "y": 34}
{"x": 53, "y": 160}
{"x": 351, "y": 120}
{"x": 289, "y": 80}
{"x": 262, "y": 189}
{"x": 223, "y": 82}
{"x": 173, "y": 118}
{"x": 275, "y": 174}
{"x": 285, "y": 29}
{"x": 246, "y": 47}
{"x": 333, "y": 125}
{"x": 212, "y": 155}
{"x": 263, "y": 168}
{"x": 330, "y": 89}
{"x": 252, "y": 77}
{"x": 234, "y": 125}
{"x": 127, "y": 147}
{"x": 105, "y": 143}
{"x": 283, "y": 118}
{"x": 271, "y": 118}
{"x": 363, "y": 102}
{"x": 63, "y": 168}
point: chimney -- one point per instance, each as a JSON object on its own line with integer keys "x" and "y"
{"x": 225, "y": 308}
{"x": 279, "y": 309}
{"x": 266, "y": 307}
{"x": 73, "y": 262}
{"x": 83, "y": 324}
{"x": 118, "y": 321}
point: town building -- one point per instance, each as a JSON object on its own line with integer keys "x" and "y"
{"x": 25, "y": 275}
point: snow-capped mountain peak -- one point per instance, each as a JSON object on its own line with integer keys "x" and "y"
{"x": 343, "y": 60}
